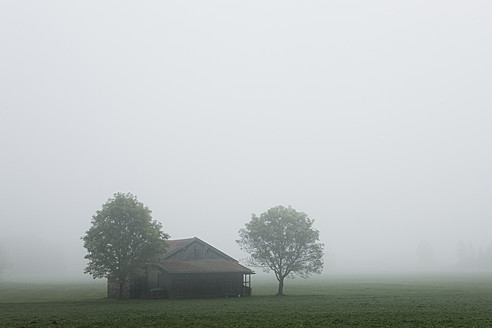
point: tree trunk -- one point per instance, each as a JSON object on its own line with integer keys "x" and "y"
{"x": 280, "y": 286}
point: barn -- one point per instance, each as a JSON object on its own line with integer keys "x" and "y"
{"x": 191, "y": 268}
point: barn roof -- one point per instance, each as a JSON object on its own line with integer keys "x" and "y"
{"x": 203, "y": 266}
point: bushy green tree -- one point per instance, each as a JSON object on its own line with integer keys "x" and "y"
{"x": 284, "y": 241}
{"x": 122, "y": 239}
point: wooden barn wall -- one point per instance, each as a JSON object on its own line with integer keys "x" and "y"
{"x": 196, "y": 251}
{"x": 202, "y": 285}
{"x": 152, "y": 278}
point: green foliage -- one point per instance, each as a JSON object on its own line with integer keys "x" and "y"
{"x": 437, "y": 302}
{"x": 284, "y": 241}
{"x": 122, "y": 239}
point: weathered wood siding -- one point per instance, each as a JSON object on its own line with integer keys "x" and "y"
{"x": 196, "y": 251}
{"x": 152, "y": 278}
{"x": 210, "y": 285}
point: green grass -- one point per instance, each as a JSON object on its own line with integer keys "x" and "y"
{"x": 448, "y": 301}
{"x": 52, "y": 292}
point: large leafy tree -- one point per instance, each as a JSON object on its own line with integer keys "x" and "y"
{"x": 122, "y": 239}
{"x": 284, "y": 241}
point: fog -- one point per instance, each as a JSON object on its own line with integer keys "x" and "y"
{"x": 372, "y": 117}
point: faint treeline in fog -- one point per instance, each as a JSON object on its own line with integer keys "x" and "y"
{"x": 470, "y": 257}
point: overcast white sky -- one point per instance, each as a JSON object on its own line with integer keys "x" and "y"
{"x": 374, "y": 117}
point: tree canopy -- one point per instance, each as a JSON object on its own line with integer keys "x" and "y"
{"x": 283, "y": 240}
{"x": 122, "y": 239}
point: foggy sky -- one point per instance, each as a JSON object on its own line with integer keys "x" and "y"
{"x": 372, "y": 117}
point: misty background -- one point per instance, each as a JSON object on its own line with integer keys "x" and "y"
{"x": 374, "y": 118}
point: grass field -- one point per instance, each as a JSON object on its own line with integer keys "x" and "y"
{"x": 377, "y": 301}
